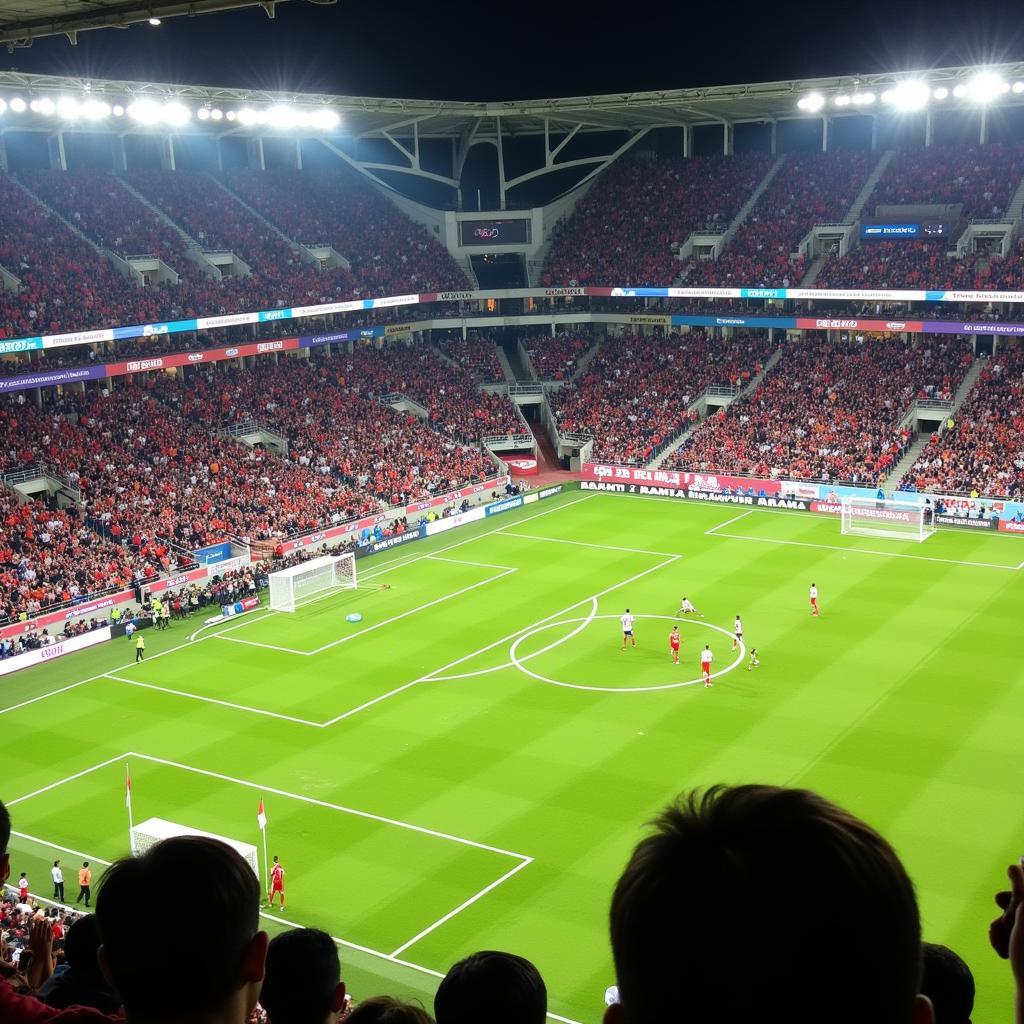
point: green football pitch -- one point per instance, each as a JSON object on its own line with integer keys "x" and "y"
{"x": 469, "y": 766}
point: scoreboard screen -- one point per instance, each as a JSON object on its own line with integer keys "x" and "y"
{"x": 927, "y": 229}
{"x": 495, "y": 232}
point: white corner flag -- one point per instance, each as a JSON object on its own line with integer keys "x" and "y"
{"x": 128, "y": 804}
{"x": 261, "y": 819}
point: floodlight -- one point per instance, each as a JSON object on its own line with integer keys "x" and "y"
{"x": 986, "y": 86}
{"x": 325, "y": 119}
{"x": 95, "y": 110}
{"x": 280, "y": 116}
{"x": 1018, "y": 87}
{"x": 842, "y": 101}
{"x": 812, "y": 103}
{"x": 203, "y": 113}
{"x": 863, "y": 99}
{"x": 175, "y": 113}
{"x": 231, "y": 115}
{"x": 68, "y": 108}
{"x": 960, "y": 90}
{"x": 216, "y": 113}
{"x": 3, "y": 106}
{"x": 118, "y": 110}
{"x": 941, "y": 93}
{"x": 43, "y": 105}
{"x": 908, "y": 96}
{"x": 146, "y": 111}
{"x": 154, "y": 22}
{"x": 18, "y": 105}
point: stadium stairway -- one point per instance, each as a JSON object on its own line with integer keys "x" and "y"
{"x": 679, "y": 441}
{"x": 854, "y": 212}
{"x": 1015, "y": 210}
{"x": 506, "y": 366}
{"x": 812, "y": 271}
{"x": 70, "y": 225}
{"x": 903, "y": 467}
{"x": 738, "y": 220}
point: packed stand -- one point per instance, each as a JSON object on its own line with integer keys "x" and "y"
{"x": 809, "y": 189}
{"x": 981, "y": 180}
{"x": 478, "y": 354}
{"x": 390, "y": 253}
{"x": 827, "y": 411}
{"x": 555, "y": 357}
{"x": 983, "y": 453}
{"x": 218, "y": 222}
{"x": 627, "y": 228}
{"x": 634, "y": 397}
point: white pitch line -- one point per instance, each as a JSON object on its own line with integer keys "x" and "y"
{"x": 57, "y": 846}
{"x": 329, "y": 806}
{"x": 413, "y": 611}
{"x": 433, "y": 677}
{"x": 867, "y": 551}
{"x": 461, "y": 907}
{"x": 735, "y": 519}
{"x": 214, "y": 700}
{"x": 70, "y": 778}
{"x": 258, "y": 643}
{"x": 463, "y": 561}
{"x": 585, "y": 544}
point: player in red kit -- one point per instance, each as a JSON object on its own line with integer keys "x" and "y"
{"x": 814, "y": 600}
{"x": 674, "y": 640}
{"x": 276, "y": 883}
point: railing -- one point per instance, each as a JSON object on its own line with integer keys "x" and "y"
{"x": 721, "y": 391}
{"x": 511, "y": 440}
{"x": 20, "y": 476}
{"x": 240, "y": 429}
{"x": 939, "y": 404}
{"x": 525, "y": 389}
{"x": 139, "y": 256}
{"x": 575, "y": 437}
{"x": 393, "y": 399}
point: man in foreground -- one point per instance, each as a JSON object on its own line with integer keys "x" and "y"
{"x": 762, "y": 903}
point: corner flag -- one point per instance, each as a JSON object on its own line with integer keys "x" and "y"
{"x": 128, "y": 788}
{"x": 261, "y": 816}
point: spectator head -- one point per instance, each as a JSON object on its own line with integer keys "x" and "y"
{"x": 758, "y": 902}
{"x": 500, "y": 988}
{"x": 81, "y": 945}
{"x": 5, "y": 838}
{"x": 223, "y": 976}
{"x": 385, "y": 1010}
{"x": 947, "y": 981}
{"x": 303, "y": 982}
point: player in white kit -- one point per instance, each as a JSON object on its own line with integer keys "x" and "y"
{"x": 706, "y": 657}
{"x": 814, "y": 600}
{"x": 686, "y": 608}
{"x": 737, "y": 633}
{"x": 627, "y": 629}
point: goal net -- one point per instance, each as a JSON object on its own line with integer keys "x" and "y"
{"x": 154, "y": 830}
{"x": 886, "y": 517}
{"x": 291, "y": 588}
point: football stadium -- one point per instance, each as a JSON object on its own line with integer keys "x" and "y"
{"x": 406, "y": 501}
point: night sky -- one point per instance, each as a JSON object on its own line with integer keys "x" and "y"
{"x": 487, "y": 51}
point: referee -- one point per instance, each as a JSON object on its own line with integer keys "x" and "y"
{"x": 58, "y": 881}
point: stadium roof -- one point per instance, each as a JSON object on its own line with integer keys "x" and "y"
{"x": 21, "y": 21}
{"x": 363, "y": 116}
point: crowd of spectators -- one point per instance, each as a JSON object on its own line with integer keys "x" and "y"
{"x": 555, "y": 356}
{"x": 634, "y": 397}
{"x": 627, "y": 229}
{"x": 809, "y": 189}
{"x": 390, "y": 253}
{"x": 983, "y": 452}
{"x": 773, "y": 851}
{"x": 476, "y": 353}
{"x": 827, "y": 411}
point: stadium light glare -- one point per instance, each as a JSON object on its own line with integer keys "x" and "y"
{"x": 216, "y": 113}
{"x": 326, "y": 119}
{"x": 863, "y": 99}
{"x": 3, "y": 105}
{"x": 812, "y": 103}
{"x": 118, "y": 110}
{"x": 908, "y": 96}
{"x": 246, "y": 116}
{"x": 145, "y": 111}
{"x": 231, "y": 115}
{"x": 203, "y": 114}
{"x": 959, "y": 91}
{"x": 842, "y": 101}
{"x": 155, "y": 22}
{"x": 69, "y": 109}
{"x": 986, "y": 87}
{"x": 18, "y": 105}
{"x": 95, "y": 110}
{"x": 941, "y": 93}
{"x": 43, "y": 105}
{"x": 174, "y": 113}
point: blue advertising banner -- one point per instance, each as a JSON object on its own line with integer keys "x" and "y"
{"x": 213, "y": 554}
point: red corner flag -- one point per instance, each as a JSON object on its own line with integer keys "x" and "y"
{"x": 128, "y": 788}
{"x": 261, "y": 816}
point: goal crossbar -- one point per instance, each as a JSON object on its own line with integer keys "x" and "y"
{"x": 154, "y": 830}
{"x": 886, "y": 517}
{"x": 291, "y": 588}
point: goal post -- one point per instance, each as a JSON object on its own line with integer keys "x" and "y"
{"x": 291, "y": 588}
{"x": 886, "y": 517}
{"x": 154, "y": 830}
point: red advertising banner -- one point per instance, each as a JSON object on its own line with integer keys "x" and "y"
{"x": 1009, "y": 526}
{"x": 521, "y": 466}
{"x": 711, "y": 482}
{"x": 101, "y": 604}
{"x": 832, "y": 508}
{"x": 192, "y": 576}
{"x": 368, "y": 522}
{"x": 811, "y": 323}
{"x": 207, "y": 355}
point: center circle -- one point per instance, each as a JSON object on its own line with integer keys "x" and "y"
{"x": 513, "y": 655}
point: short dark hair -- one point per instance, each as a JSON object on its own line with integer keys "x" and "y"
{"x": 302, "y": 974}
{"x": 387, "y": 1010}
{"x": 5, "y": 829}
{"x": 81, "y": 943}
{"x": 145, "y": 971}
{"x": 749, "y": 896}
{"x": 947, "y": 981}
{"x": 500, "y": 988}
